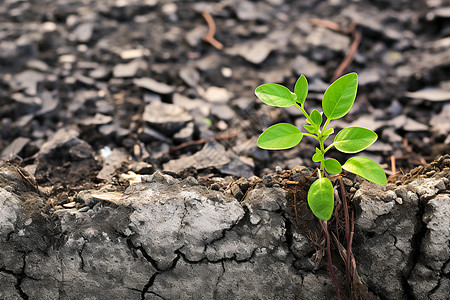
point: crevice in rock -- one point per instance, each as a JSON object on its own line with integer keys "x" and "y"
{"x": 148, "y": 285}
{"x": 80, "y": 254}
{"x": 20, "y": 278}
{"x": 145, "y": 254}
{"x": 157, "y": 295}
{"x": 416, "y": 243}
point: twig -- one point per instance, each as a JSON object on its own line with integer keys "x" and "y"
{"x": 205, "y": 140}
{"x": 393, "y": 168}
{"x": 209, "y": 37}
{"x": 325, "y": 23}
{"x": 349, "y": 55}
{"x": 353, "y": 47}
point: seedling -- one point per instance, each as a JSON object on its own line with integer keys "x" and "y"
{"x": 336, "y": 103}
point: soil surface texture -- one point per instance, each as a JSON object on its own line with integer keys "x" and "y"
{"x": 104, "y": 101}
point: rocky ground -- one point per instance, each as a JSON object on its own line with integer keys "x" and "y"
{"x": 88, "y": 87}
{"x": 90, "y": 90}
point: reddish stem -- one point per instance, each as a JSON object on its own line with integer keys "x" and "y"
{"x": 331, "y": 267}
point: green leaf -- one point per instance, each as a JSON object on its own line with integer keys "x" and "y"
{"x": 332, "y": 166}
{"x": 354, "y": 139}
{"x": 366, "y": 168}
{"x": 327, "y": 133}
{"x": 316, "y": 118}
{"x": 279, "y": 136}
{"x": 301, "y": 89}
{"x": 321, "y": 198}
{"x": 311, "y": 129}
{"x": 339, "y": 97}
{"x": 318, "y": 156}
{"x": 275, "y": 95}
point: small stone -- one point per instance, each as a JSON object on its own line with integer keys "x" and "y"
{"x": 98, "y": 119}
{"x": 304, "y": 66}
{"x": 130, "y": 69}
{"x": 440, "y": 123}
{"x": 190, "y": 76}
{"x": 111, "y": 163}
{"x": 134, "y": 53}
{"x": 213, "y": 154}
{"x": 194, "y": 36}
{"x": 216, "y": 94}
{"x": 430, "y": 94}
{"x": 223, "y": 112}
{"x": 369, "y": 77}
{"x": 14, "y": 148}
{"x": 83, "y": 32}
{"x": 389, "y": 134}
{"x": 28, "y": 80}
{"x": 254, "y": 52}
{"x": 185, "y": 134}
{"x": 237, "y": 167}
{"x": 148, "y": 135}
{"x": 325, "y": 43}
{"x": 154, "y": 86}
{"x": 168, "y": 118}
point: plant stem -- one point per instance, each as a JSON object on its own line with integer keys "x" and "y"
{"x": 303, "y": 110}
{"x": 322, "y": 164}
{"x": 331, "y": 267}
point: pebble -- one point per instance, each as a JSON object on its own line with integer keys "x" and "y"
{"x": 129, "y": 70}
{"x": 216, "y": 94}
{"x": 154, "y": 86}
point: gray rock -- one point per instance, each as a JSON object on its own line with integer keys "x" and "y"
{"x": 28, "y": 81}
{"x": 164, "y": 235}
{"x": 14, "y": 148}
{"x": 129, "y": 70}
{"x": 407, "y": 124}
{"x": 430, "y": 94}
{"x": 216, "y": 94}
{"x": 201, "y": 218}
{"x": 148, "y": 135}
{"x": 154, "y": 86}
{"x": 305, "y": 66}
{"x": 197, "y": 281}
{"x": 190, "y": 76}
{"x": 8, "y": 289}
{"x": 112, "y": 162}
{"x": 168, "y": 118}
{"x": 213, "y": 154}
{"x": 223, "y": 112}
{"x": 324, "y": 43}
{"x": 197, "y": 105}
{"x": 194, "y": 36}
{"x": 254, "y": 52}
{"x": 369, "y": 77}
{"x": 425, "y": 278}
{"x": 440, "y": 123}
{"x": 185, "y": 134}
{"x": 237, "y": 167}
{"x": 384, "y": 233}
{"x": 83, "y": 32}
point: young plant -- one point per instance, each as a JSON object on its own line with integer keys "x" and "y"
{"x": 336, "y": 103}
